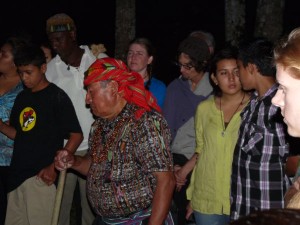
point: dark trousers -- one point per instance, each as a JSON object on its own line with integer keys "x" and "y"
{"x": 98, "y": 221}
{"x": 179, "y": 197}
{"x": 3, "y": 192}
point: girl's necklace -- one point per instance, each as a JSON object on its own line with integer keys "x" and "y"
{"x": 222, "y": 119}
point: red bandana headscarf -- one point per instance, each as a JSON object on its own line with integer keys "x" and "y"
{"x": 130, "y": 83}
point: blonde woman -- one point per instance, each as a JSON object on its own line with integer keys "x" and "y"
{"x": 287, "y": 59}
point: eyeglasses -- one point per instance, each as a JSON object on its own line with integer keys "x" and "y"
{"x": 185, "y": 66}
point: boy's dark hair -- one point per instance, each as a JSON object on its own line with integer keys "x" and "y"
{"x": 229, "y": 52}
{"x": 30, "y": 55}
{"x": 260, "y": 53}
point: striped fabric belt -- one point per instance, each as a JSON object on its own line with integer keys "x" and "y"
{"x": 136, "y": 218}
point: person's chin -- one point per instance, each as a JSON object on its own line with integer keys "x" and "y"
{"x": 185, "y": 77}
{"x": 28, "y": 85}
{"x": 134, "y": 68}
{"x": 92, "y": 110}
{"x": 294, "y": 132}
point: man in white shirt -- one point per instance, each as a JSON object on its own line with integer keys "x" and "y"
{"x": 66, "y": 70}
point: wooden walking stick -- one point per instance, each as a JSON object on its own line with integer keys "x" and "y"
{"x": 58, "y": 197}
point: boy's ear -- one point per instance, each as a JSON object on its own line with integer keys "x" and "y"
{"x": 44, "y": 68}
{"x": 252, "y": 68}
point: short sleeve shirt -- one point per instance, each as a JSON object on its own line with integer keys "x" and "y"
{"x": 125, "y": 152}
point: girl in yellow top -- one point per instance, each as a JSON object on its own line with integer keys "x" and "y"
{"x": 217, "y": 122}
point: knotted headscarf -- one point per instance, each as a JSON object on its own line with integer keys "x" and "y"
{"x": 131, "y": 84}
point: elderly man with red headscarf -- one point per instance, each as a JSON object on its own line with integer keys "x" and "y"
{"x": 129, "y": 166}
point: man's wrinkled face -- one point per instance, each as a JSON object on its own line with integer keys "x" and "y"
{"x": 101, "y": 98}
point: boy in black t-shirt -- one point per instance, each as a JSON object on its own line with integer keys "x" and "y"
{"x": 41, "y": 118}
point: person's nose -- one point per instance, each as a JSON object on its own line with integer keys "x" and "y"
{"x": 277, "y": 100}
{"x": 23, "y": 77}
{"x": 231, "y": 77}
{"x": 134, "y": 55}
{"x": 54, "y": 45}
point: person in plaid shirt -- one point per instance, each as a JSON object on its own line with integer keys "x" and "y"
{"x": 258, "y": 179}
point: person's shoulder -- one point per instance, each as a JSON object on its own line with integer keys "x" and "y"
{"x": 54, "y": 86}
{"x": 88, "y": 51}
{"x": 266, "y": 99}
{"x": 59, "y": 96}
{"x": 153, "y": 117}
{"x": 150, "y": 121}
{"x": 207, "y": 102}
{"x": 52, "y": 67}
{"x": 53, "y": 61}
{"x": 18, "y": 88}
{"x": 22, "y": 93}
{"x": 57, "y": 89}
{"x": 158, "y": 82}
{"x": 176, "y": 82}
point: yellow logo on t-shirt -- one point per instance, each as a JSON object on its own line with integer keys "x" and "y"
{"x": 27, "y": 119}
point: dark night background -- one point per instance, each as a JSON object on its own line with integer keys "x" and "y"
{"x": 164, "y": 22}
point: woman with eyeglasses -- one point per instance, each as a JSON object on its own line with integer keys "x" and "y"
{"x": 140, "y": 58}
{"x": 183, "y": 96}
{"x": 217, "y": 121}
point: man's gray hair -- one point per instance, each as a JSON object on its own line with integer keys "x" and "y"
{"x": 206, "y": 36}
{"x": 104, "y": 83}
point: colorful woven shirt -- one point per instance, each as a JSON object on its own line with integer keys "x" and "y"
{"x": 258, "y": 179}
{"x": 125, "y": 152}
